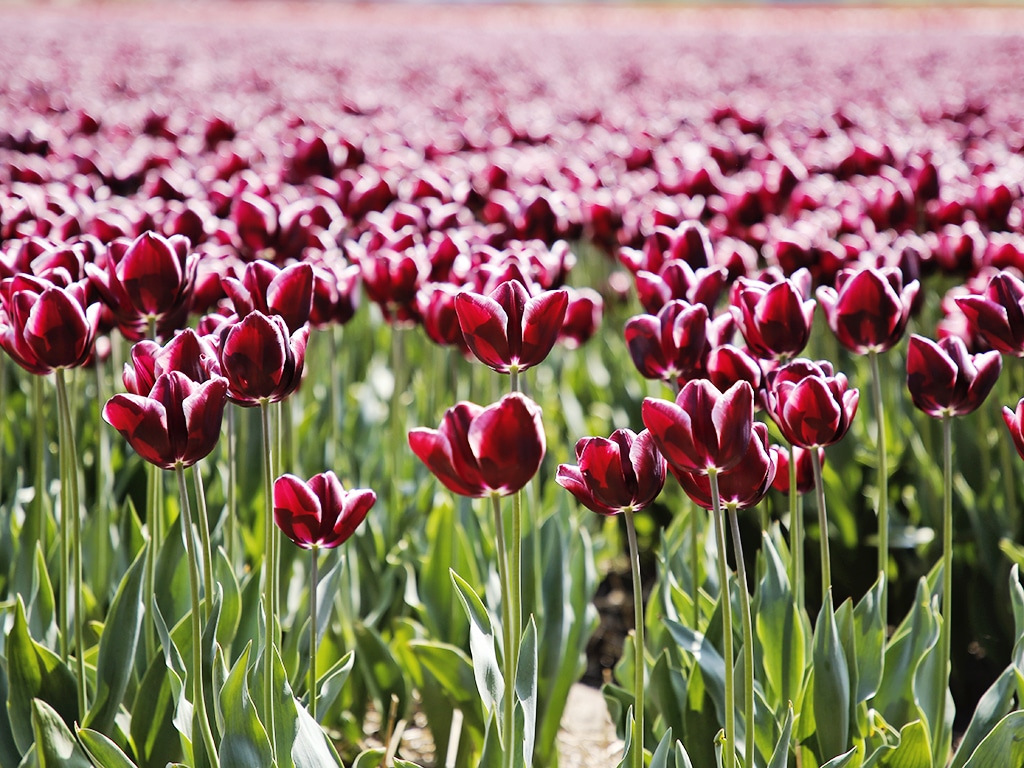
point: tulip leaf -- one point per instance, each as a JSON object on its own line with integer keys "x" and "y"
{"x": 1004, "y": 745}
{"x": 454, "y": 671}
{"x": 667, "y": 689}
{"x": 245, "y": 740}
{"x": 41, "y": 606}
{"x": 9, "y": 754}
{"x": 841, "y": 761}
{"x": 117, "y": 649}
{"x": 913, "y": 750}
{"x": 56, "y": 746}
{"x": 370, "y": 758}
{"x": 448, "y": 549}
{"x": 779, "y": 628}
{"x": 35, "y": 673}
{"x": 332, "y": 682}
{"x": 664, "y": 752}
{"x": 526, "y": 688}
{"x": 102, "y": 751}
{"x": 489, "y": 681}
{"x": 231, "y": 598}
{"x": 405, "y": 764}
{"x": 780, "y": 757}
{"x": 831, "y": 700}
{"x": 171, "y": 575}
{"x": 492, "y": 755}
{"x": 152, "y": 727}
{"x": 710, "y": 661}
{"x": 995, "y": 704}
{"x": 869, "y": 626}
{"x": 682, "y": 758}
{"x": 380, "y": 670}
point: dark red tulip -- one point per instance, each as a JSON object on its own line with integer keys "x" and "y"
{"x": 480, "y": 451}
{"x": 804, "y": 468}
{"x": 869, "y": 308}
{"x": 286, "y": 292}
{"x": 178, "y": 423}
{"x": 320, "y": 513}
{"x": 678, "y": 280}
{"x": 260, "y": 360}
{"x": 728, "y": 364}
{"x": 187, "y": 352}
{"x": 1015, "y": 423}
{"x": 393, "y": 277}
{"x": 44, "y": 326}
{"x": 611, "y": 475}
{"x": 582, "y": 317}
{"x": 672, "y": 345}
{"x": 745, "y": 484}
{"x": 509, "y": 330}
{"x": 704, "y": 429}
{"x": 436, "y": 306}
{"x": 944, "y": 380}
{"x": 335, "y": 293}
{"x": 997, "y": 316}
{"x": 811, "y": 407}
{"x": 774, "y": 319}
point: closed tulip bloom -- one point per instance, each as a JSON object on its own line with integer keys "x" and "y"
{"x": 997, "y": 316}
{"x": 728, "y": 364}
{"x": 480, "y": 451}
{"x": 745, "y": 484}
{"x": 804, "y": 470}
{"x": 869, "y": 308}
{"x": 678, "y": 280}
{"x": 320, "y": 513}
{"x": 945, "y": 380}
{"x": 260, "y": 360}
{"x": 611, "y": 475}
{"x": 188, "y": 352}
{"x": 509, "y": 330}
{"x": 811, "y": 407}
{"x": 582, "y": 317}
{"x": 1015, "y": 423}
{"x": 704, "y": 430}
{"x": 178, "y": 423}
{"x": 286, "y": 292}
{"x": 774, "y": 319}
{"x": 671, "y": 345}
{"x": 45, "y": 326}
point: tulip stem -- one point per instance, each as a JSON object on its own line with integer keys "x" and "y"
{"x": 198, "y": 693}
{"x": 883, "y": 480}
{"x": 638, "y": 640}
{"x": 819, "y": 489}
{"x": 269, "y": 587}
{"x": 508, "y": 708}
{"x": 945, "y": 627}
{"x": 232, "y": 496}
{"x": 748, "y": 639}
{"x": 725, "y": 602}
{"x": 314, "y": 578}
{"x": 204, "y": 536}
{"x": 695, "y": 563}
{"x": 796, "y": 532}
{"x": 70, "y": 505}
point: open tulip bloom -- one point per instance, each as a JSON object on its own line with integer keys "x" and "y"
{"x": 774, "y": 319}
{"x": 997, "y": 316}
{"x": 261, "y": 360}
{"x": 672, "y": 345}
{"x": 868, "y": 309}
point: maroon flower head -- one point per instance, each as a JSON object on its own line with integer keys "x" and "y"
{"x": 1015, "y": 423}
{"x": 480, "y": 451}
{"x": 187, "y": 352}
{"x": 945, "y": 380}
{"x": 704, "y": 429}
{"x": 286, "y": 292}
{"x": 774, "y": 319}
{"x": 811, "y": 407}
{"x": 260, "y": 360}
{"x": 177, "y": 423}
{"x": 869, "y": 308}
{"x": 678, "y": 280}
{"x": 745, "y": 484}
{"x": 508, "y": 329}
{"x": 729, "y": 364}
{"x": 672, "y": 345}
{"x": 582, "y": 317}
{"x": 320, "y": 513}
{"x": 998, "y": 315}
{"x": 624, "y": 471}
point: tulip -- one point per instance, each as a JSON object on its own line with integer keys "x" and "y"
{"x": 582, "y": 317}
{"x": 508, "y": 330}
{"x": 811, "y": 407}
{"x": 728, "y": 364}
{"x": 478, "y": 451}
{"x": 178, "y": 423}
{"x": 672, "y": 345}
{"x": 704, "y": 431}
{"x": 678, "y": 280}
{"x": 744, "y": 485}
{"x": 804, "y": 474}
{"x": 263, "y": 287}
{"x": 1015, "y": 423}
{"x": 774, "y": 319}
{"x": 320, "y": 513}
{"x": 260, "y": 360}
{"x": 869, "y": 308}
{"x": 625, "y": 471}
{"x": 944, "y": 380}
{"x": 998, "y": 315}
{"x": 187, "y": 352}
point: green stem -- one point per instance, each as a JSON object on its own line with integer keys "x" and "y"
{"x": 69, "y": 490}
{"x": 508, "y": 708}
{"x": 748, "y": 638}
{"x": 204, "y": 536}
{"x": 39, "y": 459}
{"x": 314, "y": 578}
{"x": 883, "y": 480}
{"x": 695, "y": 563}
{"x": 64, "y": 616}
{"x": 269, "y": 587}
{"x": 819, "y": 489}
{"x": 729, "y": 754}
{"x": 638, "y": 639}
{"x": 198, "y": 688}
{"x": 513, "y": 379}
{"x": 796, "y": 524}
{"x": 232, "y": 494}
{"x": 947, "y": 590}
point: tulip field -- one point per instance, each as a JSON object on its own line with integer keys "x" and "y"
{"x": 350, "y": 352}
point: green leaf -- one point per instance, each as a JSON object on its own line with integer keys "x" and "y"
{"x": 526, "y": 688}
{"x": 489, "y": 681}
{"x": 831, "y": 699}
{"x": 333, "y": 681}
{"x": 913, "y": 751}
{"x": 840, "y": 761}
{"x": 492, "y": 755}
{"x": 370, "y": 758}
{"x": 41, "y": 606}
{"x": 667, "y": 689}
{"x": 55, "y": 745}
{"x": 454, "y": 671}
{"x": 1003, "y": 746}
{"x": 117, "y": 649}
{"x": 779, "y": 629}
{"x": 380, "y": 671}
{"x": 231, "y": 598}
{"x": 662, "y": 753}
{"x": 711, "y": 663}
{"x": 245, "y": 740}
{"x": 995, "y": 704}
{"x": 154, "y": 737}
{"x": 399, "y": 763}
{"x": 869, "y": 630}
{"x": 780, "y": 757}
{"x": 35, "y": 672}
{"x": 102, "y": 751}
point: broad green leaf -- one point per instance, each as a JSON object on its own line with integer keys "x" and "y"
{"x": 370, "y": 758}
{"x": 627, "y": 747}
{"x": 446, "y": 551}
{"x": 913, "y": 751}
{"x": 682, "y": 758}
{"x": 869, "y": 630}
{"x": 380, "y": 671}
{"x": 489, "y": 681}
{"x": 171, "y": 577}
{"x": 332, "y": 681}
{"x": 492, "y": 755}
{"x": 779, "y": 629}
{"x": 711, "y": 663}
{"x": 35, "y": 673}
{"x": 41, "y": 606}
{"x": 245, "y": 740}
{"x": 399, "y": 763}
{"x": 1003, "y": 746}
{"x": 310, "y": 746}
{"x": 9, "y": 754}
{"x": 526, "y": 688}
{"x": 56, "y": 746}
{"x": 663, "y": 752}
{"x": 102, "y": 751}
{"x": 117, "y": 649}
{"x": 995, "y": 704}
{"x": 231, "y": 598}
{"x": 780, "y": 757}
{"x": 831, "y": 699}
{"x": 667, "y": 689}
{"x": 841, "y": 761}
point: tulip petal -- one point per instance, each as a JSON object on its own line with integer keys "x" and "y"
{"x": 508, "y": 440}
{"x": 297, "y": 510}
{"x": 484, "y": 326}
{"x": 142, "y": 421}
